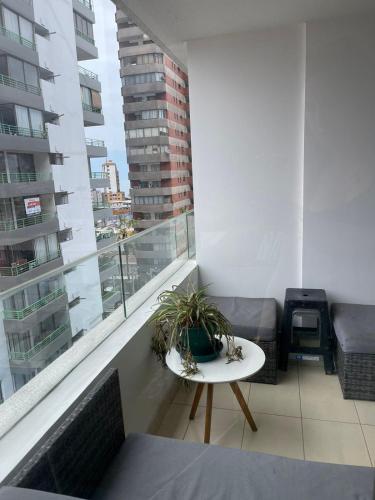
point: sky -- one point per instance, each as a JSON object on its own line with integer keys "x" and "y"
{"x": 107, "y": 66}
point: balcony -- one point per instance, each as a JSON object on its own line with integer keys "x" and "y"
{"x": 23, "y": 270}
{"x": 92, "y": 115}
{"x": 99, "y": 180}
{"x": 96, "y": 148}
{"x": 85, "y": 9}
{"x": 27, "y": 228}
{"x": 102, "y": 210}
{"x": 85, "y": 45}
{"x": 20, "y": 314}
{"x": 38, "y": 348}
{"x": 24, "y": 139}
{"x": 89, "y": 79}
{"x": 14, "y": 184}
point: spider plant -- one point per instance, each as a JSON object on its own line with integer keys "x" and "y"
{"x": 185, "y": 320}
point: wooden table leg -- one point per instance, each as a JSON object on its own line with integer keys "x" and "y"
{"x": 197, "y": 397}
{"x": 207, "y": 427}
{"x": 244, "y": 407}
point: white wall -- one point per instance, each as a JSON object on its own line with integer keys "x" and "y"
{"x": 59, "y": 54}
{"x": 339, "y": 191}
{"x": 247, "y": 104}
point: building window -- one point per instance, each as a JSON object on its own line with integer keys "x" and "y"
{"x": 139, "y": 133}
{"x": 83, "y": 26}
{"x": 142, "y": 59}
{"x": 17, "y": 24}
{"x": 143, "y": 78}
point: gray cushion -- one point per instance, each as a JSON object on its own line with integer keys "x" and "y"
{"x": 354, "y": 326}
{"x": 167, "y": 469}
{"x": 11, "y": 493}
{"x": 251, "y": 319}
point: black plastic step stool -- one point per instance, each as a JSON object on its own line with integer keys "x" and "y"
{"x": 306, "y": 302}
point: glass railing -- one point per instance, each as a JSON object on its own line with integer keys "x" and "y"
{"x": 85, "y": 37}
{"x": 31, "y": 220}
{"x": 5, "y": 128}
{"x": 11, "y": 178}
{"x": 87, "y": 3}
{"x": 95, "y": 142}
{"x": 112, "y": 282}
{"x": 88, "y": 107}
{"x": 11, "y": 82}
{"x": 29, "y": 354}
{"x": 17, "y": 38}
{"x": 26, "y": 311}
{"x": 99, "y": 205}
{"x": 99, "y": 175}
{"x": 88, "y": 73}
{"x": 18, "y": 268}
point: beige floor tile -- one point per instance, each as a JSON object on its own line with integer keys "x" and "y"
{"x": 366, "y": 411}
{"x": 369, "y": 432}
{"x": 226, "y": 427}
{"x": 280, "y": 399}
{"x": 321, "y": 396}
{"x": 223, "y": 396}
{"x": 277, "y": 435}
{"x": 334, "y": 442}
{"x": 175, "y": 422}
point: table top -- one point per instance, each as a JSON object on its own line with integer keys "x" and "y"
{"x": 218, "y": 371}
{"x": 306, "y": 294}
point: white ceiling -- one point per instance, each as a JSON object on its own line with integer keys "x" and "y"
{"x": 172, "y": 22}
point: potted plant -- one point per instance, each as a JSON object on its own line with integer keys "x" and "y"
{"x": 186, "y": 321}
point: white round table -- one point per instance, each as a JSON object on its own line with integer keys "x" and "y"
{"x": 219, "y": 371}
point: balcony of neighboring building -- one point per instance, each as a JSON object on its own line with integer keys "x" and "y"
{"x": 83, "y": 22}
{"x": 35, "y": 312}
{"x": 109, "y": 265}
{"x": 44, "y": 347}
{"x": 23, "y": 129}
{"x": 85, "y": 8}
{"x": 95, "y": 148}
{"x": 129, "y": 33}
{"x": 15, "y": 41}
{"x": 99, "y": 180}
{"x": 26, "y": 183}
{"x": 24, "y": 261}
{"x": 22, "y": 7}
{"x": 89, "y": 79}
{"x": 19, "y": 83}
{"x": 140, "y": 88}
{"x": 17, "y": 230}
{"x": 101, "y": 210}
{"x": 92, "y": 107}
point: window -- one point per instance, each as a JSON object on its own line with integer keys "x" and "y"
{"x": 148, "y": 149}
{"x": 83, "y": 26}
{"x": 142, "y": 59}
{"x": 30, "y": 121}
{"x": 146, "y": 132}
{"x": 149, "y": 200}
{"x": 18, "y": 25}
{"x": 143, "y": 78}
{"x": 56, "y": 158}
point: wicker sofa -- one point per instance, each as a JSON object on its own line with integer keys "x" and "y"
{"x": 354, "y": 327}
{"x": 88, "y": 457}
{"x": 255, "y": 320}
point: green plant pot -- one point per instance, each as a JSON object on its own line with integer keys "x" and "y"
{"x": 202, "y": 348}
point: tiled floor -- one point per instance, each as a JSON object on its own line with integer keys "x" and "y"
{"x": 304, "y": 417}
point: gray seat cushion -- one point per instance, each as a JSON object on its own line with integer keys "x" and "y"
{"x": 11, "y": 493}
{"x": 167, "y": 469}
{"x": 354, "y": 326}
{"x": 251, "y": 319}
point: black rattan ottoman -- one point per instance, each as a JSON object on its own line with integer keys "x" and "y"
{"x": 354, "y": 326}
{"x": 255, "y": 320}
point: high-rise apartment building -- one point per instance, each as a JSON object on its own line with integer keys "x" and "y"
{"x": 156, "y": 108}
{"x": 110, "y": 168}
{"x": 46, "y": 212}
